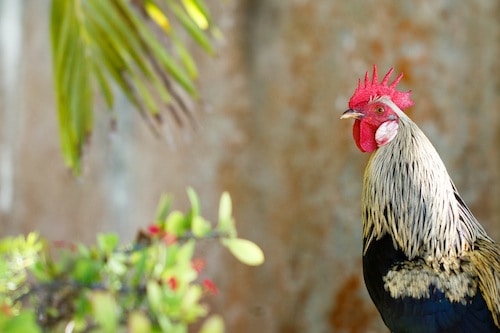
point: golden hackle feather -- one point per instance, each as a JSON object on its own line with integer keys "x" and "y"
{"x": 416, "y": 202}
{"x": 485, "y": 260}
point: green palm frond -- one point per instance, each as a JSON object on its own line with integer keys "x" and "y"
{"x": 102, "y": 44}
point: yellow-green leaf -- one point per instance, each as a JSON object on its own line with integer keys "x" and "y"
{"x": 200, "y": 227}
{"x": 105, "y": 311}
{"x": 195, "y": 202}
{"x": 214, "y": 324}
{"x": 163, "y": 207}
{"x": 196, "y": 13}
{"x": 192, "y": 28}
{"x": 154, "y": 296}
{"x": 186, "y": 58}
{"x": 226, "y": 221}
{"x": 175, "y": 223}
{"x": 245, "y": 251}
{"x": 138, "y": 322}
{"x": 158, "y": 16}
{"x": 225, "y": 207}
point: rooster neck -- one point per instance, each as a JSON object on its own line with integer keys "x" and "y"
{"x": 408, "y": 194}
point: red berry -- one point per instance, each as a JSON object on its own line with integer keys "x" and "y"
{"x": 210, "y": 286}
{"x": 154, "y": 229}
{"x": 173, "y": 283}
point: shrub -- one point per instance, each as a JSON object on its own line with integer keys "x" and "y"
{"x": 154, "y": 284}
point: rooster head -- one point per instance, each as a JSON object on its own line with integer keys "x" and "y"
{"x": 373, "y": 107}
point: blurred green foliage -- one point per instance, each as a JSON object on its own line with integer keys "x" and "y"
{"x": 130, "y": 45}
{"x": 155, "y": 284}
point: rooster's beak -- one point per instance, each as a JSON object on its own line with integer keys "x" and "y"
{"x": 350, "y": 113}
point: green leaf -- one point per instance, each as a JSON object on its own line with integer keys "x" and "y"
{"x": 83, "y": 250}
{"x": 104, "y": 85}
{"x": 186, "y": 58}
{"x": 200, "y": 227}
{"x": 163, "y": 207}
{"x": 116, "y": 263}
{"x": 83, "y": 308}
{"x": 162, "y": 257}
{"x": 86, "y": 271}
{"x": 24, "y": 322}
{"x": 39, "y": 270}
{"x": 139, "y": 261}
{"x": 214, "y": 324}
{"x": 226, "y": 221}
{"x": 176, "y": 223}
{"x": 33, "y": 241}
{"x": 165, "y": 323}
{"x": 191, "y": 307}
{"x": 195, "y": 202}
{"x": 107, "y": 243}
{"x": 71, "y": 80}
{"x": 186, "y": 252}
{"x": 138, "y": 322}
{"x": 168, "y": 255}
{"x": 181, "y": 266}
{"x": 191, "y": 26}
{"x": 198, "y": 12}
{"x": 105, "y": 311}
{"x": 158, "y": 50}
{"x": 157, "y": 16}
{"x": 245, "y": 251}
{"x": 154, "y": 296}
{"x": 225, "y": 207}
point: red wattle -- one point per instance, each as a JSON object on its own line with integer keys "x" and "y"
{"x": 364, "y": 136}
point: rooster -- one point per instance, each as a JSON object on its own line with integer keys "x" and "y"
{"x": 428, "y": 264}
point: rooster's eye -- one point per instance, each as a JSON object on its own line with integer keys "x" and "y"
{"x": 380, "y": 109}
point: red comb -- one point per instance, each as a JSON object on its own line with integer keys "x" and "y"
{"x": 374, "y": 89}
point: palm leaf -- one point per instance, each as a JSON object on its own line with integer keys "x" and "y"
{"x": 100, "y": 44}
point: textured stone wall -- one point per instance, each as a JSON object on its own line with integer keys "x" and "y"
{"x": 270, "y": 134}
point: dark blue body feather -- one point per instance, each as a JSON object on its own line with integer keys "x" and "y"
{"x": 431, "y": 315}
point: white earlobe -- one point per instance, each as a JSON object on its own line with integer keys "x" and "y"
{"x": 386, "y": 132}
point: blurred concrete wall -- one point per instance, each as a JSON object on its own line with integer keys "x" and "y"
{"x": 270, "y": 134}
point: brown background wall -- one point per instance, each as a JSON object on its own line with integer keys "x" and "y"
{"x": 270, "y": 134}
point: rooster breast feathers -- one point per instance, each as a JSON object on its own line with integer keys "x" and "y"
{"x": 412, "y": 296}
{"x": 423, "y": 249}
